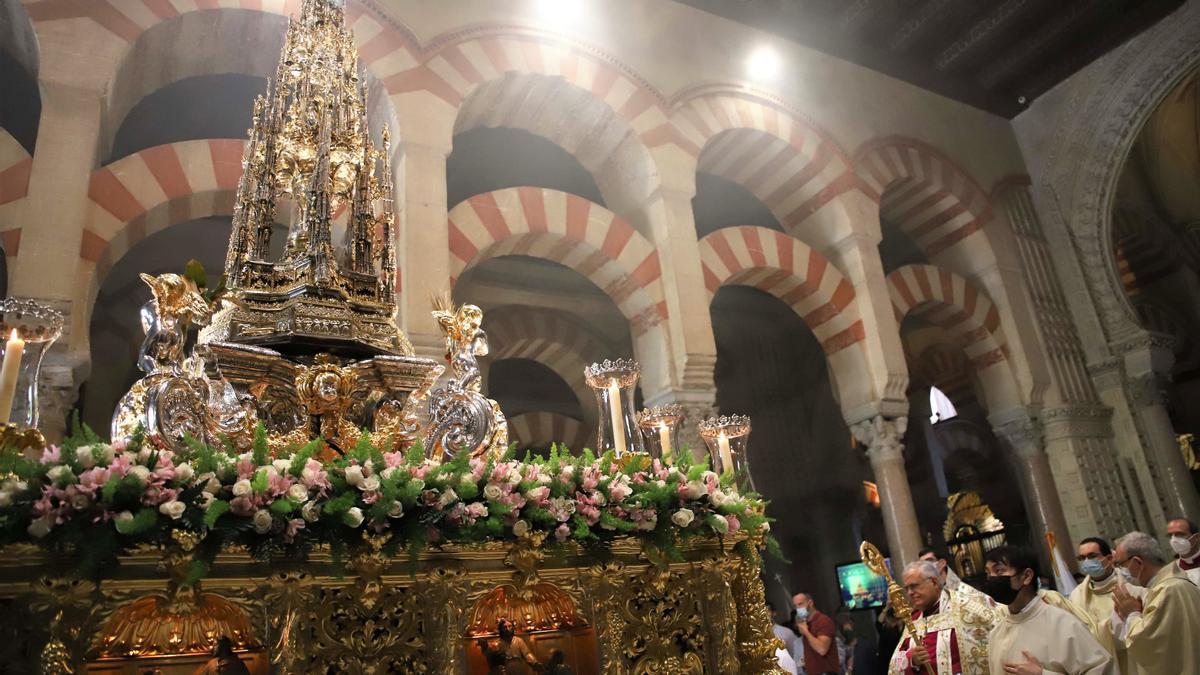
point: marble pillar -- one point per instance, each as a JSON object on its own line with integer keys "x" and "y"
{"x": 882, "y": 437}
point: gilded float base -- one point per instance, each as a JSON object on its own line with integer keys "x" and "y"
{"x": 610, "y": 613}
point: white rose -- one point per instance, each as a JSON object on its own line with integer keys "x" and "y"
{"x": 388, "y": 472}
{"x": 173, "y": 508}
{"x": 417, "y": 484}
{"x": 62, "y": 473}
{"x": 298, "y": 493}
{"x": 695, "y": 489}
{"x": 184, "y": 472}
{"x": 720, "y": 524}
{"x": 206, "y": 500}
{"x": 718, "y": 498}
{"x": 353, "y": 517}
{"x": 242, "y": 488}
{"x": 308, "y": 474}
{"x": 447, "y": 498}
{"x": 6, "y": 498}
{"x": 143, "y": 455}
{"x": 521, "y": 528}
{"x": 369, "y": 484}
{"x": 354, "y": 474}
{"x": 514, "y": 476}
{"x": 79, "y": 501}
{"x": 124, "y": 517}
{"x": 41, "y": 527}
{"x": 109, "y": 453}
{"x": 648, "y": 524}
{"x": 683, "y": 517}
{"x": 311, "y": 512}
{"x": 395, "y": 510}
{"x": 282, "y": 465}
{"x": 140, "y": 472}
{"x": 213, "y": 485}
{"x": 262, "y": 521}
{"x": 84, "y": 456}
{"x": 709, "y": 477}
{"x": 492, "y": 491}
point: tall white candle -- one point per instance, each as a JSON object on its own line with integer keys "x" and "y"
{"x": 618, "y": 418}
{"x": 726, "y": 453}
{"x": 664, "y": 440}
{"x": 9, "y": 372}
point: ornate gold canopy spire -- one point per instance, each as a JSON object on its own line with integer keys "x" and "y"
{"x": 311, "y": 163}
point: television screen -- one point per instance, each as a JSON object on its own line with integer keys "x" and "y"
{"x": 860, "y": 587}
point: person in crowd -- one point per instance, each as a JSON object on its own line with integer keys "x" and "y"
{"x": 1184, "y": 536}
{"x": 1159, "y": 631}
{"x": 890, "y": 630}
{"x": 955, "y": 626}
{"x": 950, "y": 579}
{"x": 787, "y": 636}
{"x": 846, "y": 639}
{"x": 1095, "y": 595}
{"x": 224, "y": 661}
{"x": 518, "y": 657}
{"x": 1035, "y": 636}
{"x": 817, "y": 630}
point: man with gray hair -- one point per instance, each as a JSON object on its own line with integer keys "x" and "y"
{"x": 1159, "y": 631}
{"x": 954, "y": 626}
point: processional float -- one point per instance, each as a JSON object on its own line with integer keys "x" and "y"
{"x": 306, "y": 423}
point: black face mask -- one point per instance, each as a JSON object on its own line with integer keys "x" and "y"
{"x": 1000, "y": 589}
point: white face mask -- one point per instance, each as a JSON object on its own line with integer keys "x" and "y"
{"x": 1181, "y": 545}
{"x": 802, "y": 613}
{"x": 1127, "y": 577}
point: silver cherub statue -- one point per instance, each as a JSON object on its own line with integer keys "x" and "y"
{"x": 462, "y": 419}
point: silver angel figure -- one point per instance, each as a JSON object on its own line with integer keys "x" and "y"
{"x": 462, "y": 419}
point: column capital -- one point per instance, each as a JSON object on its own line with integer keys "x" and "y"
{"x": 882, "y": 436}
{"x": 1023, "y": 432}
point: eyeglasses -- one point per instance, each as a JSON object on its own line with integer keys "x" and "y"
{"x": 909, "y": 588}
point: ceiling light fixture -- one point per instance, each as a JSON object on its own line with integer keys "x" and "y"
{"x": 763, "y": 63}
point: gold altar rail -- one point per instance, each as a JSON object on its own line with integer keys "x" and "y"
{"x": 610, "y": 611}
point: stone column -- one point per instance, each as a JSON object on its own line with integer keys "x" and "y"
{"x": 882, "y": 437}
{"x": 1148, "y": 362}
{"x": 424, "y": 247}
{"x": 1023, "y": 436}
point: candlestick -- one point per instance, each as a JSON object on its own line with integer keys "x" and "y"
{"x": 664, "y": 437}
{"x": 613, "y": 382}
{"x": 618, "y": 417}
{"x": 9, "y": 372}
{"x": 726, "y": 453}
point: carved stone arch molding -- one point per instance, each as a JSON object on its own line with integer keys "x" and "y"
{"x": 1097, "y": 116}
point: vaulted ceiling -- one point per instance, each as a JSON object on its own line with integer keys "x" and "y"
{"x": 998, "y": 55}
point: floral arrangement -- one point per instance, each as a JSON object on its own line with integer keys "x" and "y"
{"x": 93, "y": 500}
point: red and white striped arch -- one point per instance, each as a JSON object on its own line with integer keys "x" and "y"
{"x": 453, "y": 69}
{"x": 793, "y": 167}
{"x": 15, "y": 168}
{"x": 924, "y": 193}
{"x": 566, "y": 229}
{"x": 790, "y": 270}
{"x": 950, "y": 301}
{"x": 548, "y": 337}
{"x": 143, "y": 193}
{"x": 540, "y": 429}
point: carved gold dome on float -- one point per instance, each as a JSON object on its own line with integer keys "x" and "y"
{"x": 533, "y": 608}
{"x": 155, "y": 625}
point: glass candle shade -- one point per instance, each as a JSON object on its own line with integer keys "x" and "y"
{"x": 726, "y": 437}
{"x": 613, "y": 382}
{"x": 660, "y": 430}
{"x": 29, "y": 329}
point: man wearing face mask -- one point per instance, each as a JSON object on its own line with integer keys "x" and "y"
{"x": 1185, "y": 542}
{"x": 817, "y": 631}
{"x": 1159, "y": 631}
{"x": 1095, "y": 595}
{"x": 1035, "y": 637}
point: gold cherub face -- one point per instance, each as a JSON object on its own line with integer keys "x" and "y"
{"x": 178, "y": 298}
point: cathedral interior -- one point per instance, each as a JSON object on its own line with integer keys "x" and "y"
{"x": 930, "y": 248}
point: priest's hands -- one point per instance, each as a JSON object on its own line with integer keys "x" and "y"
{"x": 1030, "y": 666}
{"x": 920, "y": 657}
{"x": 1125, "y": 603}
